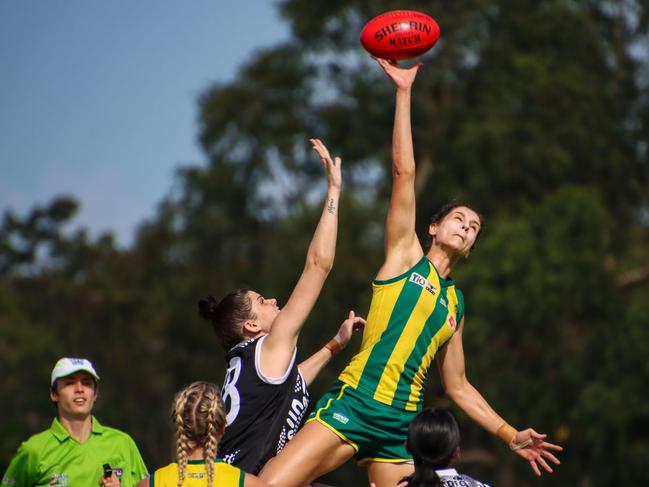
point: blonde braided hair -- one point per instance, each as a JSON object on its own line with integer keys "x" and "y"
{"x": 199, "y": 416}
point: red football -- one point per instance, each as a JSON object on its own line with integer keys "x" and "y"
{"x": 399, "y": 34}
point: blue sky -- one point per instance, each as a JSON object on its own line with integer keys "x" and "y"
{"x": 98, "y": 98}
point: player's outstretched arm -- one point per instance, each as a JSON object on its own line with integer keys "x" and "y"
{"x": 280, "y": 343}
{"x": 527, "y": 443}
{"x": 312, "y": 366}
{"x": 402, "y": 248}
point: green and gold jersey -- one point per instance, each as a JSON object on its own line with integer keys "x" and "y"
{"x": 411, "y": 317}
{"x": 196, "y": 475}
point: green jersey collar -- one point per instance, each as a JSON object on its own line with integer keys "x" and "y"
{"x": 61, "y": 434}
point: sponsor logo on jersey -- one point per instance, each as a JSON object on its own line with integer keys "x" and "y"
{"x": 231, "y": 457}
{"x": 296, "y": 413}
{"x": 423, "y": 282}
{"x": 451, "y": 321}
{"x": 58, "y": 480}
{"x": 341, "y": 418}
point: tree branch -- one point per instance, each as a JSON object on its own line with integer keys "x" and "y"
{"x": 633, "y": 278}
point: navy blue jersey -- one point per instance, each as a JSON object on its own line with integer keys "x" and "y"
{"x": 263, "y": 413}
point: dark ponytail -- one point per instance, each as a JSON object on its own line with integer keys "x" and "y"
{"x": 433, "y": 440}
{"x": 227, "y": 316}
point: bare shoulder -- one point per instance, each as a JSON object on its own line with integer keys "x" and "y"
{"x": 398, "y": 261}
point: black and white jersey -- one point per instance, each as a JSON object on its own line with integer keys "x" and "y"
{"x": 263, "y": 413}
{"x": 451, "y": 478}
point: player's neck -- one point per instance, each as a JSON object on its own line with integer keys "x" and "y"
{"x": 78, "y": 428}
{"x": 442, "y": 260}
{"x": 197, "y": 454}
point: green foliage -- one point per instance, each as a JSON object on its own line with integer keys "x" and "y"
{"x": 533, "y": 112}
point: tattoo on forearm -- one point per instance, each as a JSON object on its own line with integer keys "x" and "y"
{"x": 331, "y": 207}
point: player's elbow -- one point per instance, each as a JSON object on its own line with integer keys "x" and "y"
{"x": 320, "y": 263}
{"x": 457, "y": 391}
{"x": 405, "y": 173}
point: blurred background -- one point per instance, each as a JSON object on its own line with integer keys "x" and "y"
{"x": 154, "y": 152}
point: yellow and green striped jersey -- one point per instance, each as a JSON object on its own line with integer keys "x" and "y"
{"x": 411, "y": 317}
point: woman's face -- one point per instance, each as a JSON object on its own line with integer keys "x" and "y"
{"x": 457, "y": 231}
{"x": 264, "y": 309}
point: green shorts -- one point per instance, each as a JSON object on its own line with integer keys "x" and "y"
{"x": 375, "y": 430}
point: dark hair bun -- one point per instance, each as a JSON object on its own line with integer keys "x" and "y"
{"x": 207, "y": 308}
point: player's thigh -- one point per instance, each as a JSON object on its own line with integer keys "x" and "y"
{"x": 385, "y": 474}
{"x": 314, "y": 451}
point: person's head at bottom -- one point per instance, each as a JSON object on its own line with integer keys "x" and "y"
{"x": 434, "y": 443}
{"x": 199, "y": 417}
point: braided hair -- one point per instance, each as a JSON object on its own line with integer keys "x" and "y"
{"x": 199, "y": 416}
{"x": 433, "y": 441}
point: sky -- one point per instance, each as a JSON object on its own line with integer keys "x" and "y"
{"x": 98, "y": 99}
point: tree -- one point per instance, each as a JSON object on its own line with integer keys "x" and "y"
{"x": 534, "y": 112}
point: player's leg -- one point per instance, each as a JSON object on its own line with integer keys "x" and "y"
{"x": 315, "y": 451}
{"x": 384, "y": 474}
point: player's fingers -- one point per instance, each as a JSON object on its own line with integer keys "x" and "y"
{"x": 337, "y": 161}
{"x": 551, "y": 446}
{"x": 319, "y": 147}
{"x": 315, "y": 146}
{"x": 382, "y": 62}
{"x": 324, "y": 156}
{"x": 550, "y": 456}
{"x": 544, "y": 464}
{"x": 359, "y": 323}
{"x": 535, "y": 467}
{"x": 535, "y": 435}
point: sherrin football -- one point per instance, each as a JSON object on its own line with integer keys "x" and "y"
{"x": 399, "y": 34}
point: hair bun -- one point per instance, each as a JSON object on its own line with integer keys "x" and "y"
{"x": 207, "y": 308}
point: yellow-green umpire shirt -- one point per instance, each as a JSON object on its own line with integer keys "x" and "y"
{"x": 54, "y": 458}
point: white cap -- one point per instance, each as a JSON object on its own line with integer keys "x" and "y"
{"x": 67, "y": 366}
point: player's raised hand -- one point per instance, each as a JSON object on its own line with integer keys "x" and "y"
{"x": 332, "y": 167}
{"x": 532, "y": 447}
{"x": 348, "y": 327}
{"x": 403, "y": 78}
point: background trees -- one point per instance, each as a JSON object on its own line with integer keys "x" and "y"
{"x": 534, "y": 112}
